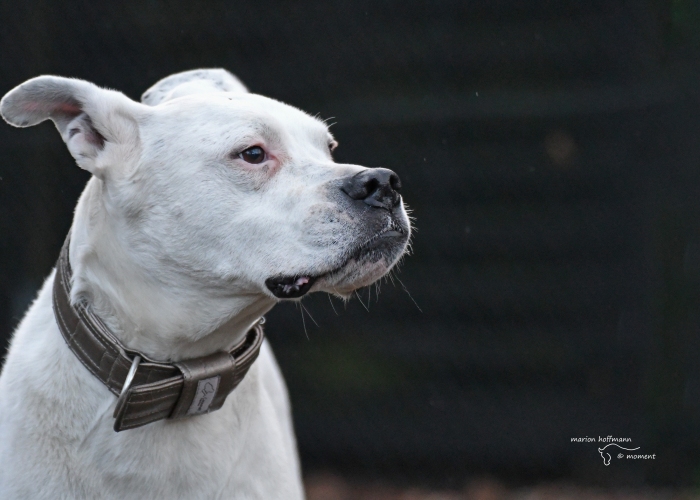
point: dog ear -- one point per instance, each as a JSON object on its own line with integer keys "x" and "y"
{"x": 90, "y": 119}
{"x": 197, "y": 81}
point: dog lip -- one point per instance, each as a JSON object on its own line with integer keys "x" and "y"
{"x": 393, "y": 231}
{"x": 298, "y": 285}
{"x": 290, "y": 287}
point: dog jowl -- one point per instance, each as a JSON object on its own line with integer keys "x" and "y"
{"x": 207, "y": 205}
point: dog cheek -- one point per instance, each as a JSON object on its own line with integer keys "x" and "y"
{"x": 258, "y": 176}
{"x": 251, "y": 180}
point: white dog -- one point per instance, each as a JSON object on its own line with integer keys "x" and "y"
{"x": 206, "y": 206}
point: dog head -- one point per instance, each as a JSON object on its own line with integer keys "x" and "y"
{"x": 208, "y": 184}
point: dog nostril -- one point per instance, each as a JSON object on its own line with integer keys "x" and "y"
{"x": 395, "y": 183}
{"x": 371, "y": 186}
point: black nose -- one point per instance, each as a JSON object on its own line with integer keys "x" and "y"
{"x": 378, "y": 187}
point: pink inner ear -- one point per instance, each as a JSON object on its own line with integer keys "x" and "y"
{"x": 63, "y": 107}
{"x": 31, "y": 106}
{"x": 68, "y": 108}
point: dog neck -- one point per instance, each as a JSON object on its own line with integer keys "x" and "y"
{"x": 166, "y": 316}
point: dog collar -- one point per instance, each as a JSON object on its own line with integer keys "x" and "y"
{"x": 148, "y": 390}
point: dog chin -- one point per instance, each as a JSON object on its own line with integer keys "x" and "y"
{"x": 355, "y": 274}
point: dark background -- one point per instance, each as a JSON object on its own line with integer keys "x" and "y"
{"x": 550, "y": 151}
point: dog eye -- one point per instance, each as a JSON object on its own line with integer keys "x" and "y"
{"x": 253, "y": 155}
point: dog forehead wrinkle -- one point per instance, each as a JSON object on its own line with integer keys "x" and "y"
{"x": 294, "y": 119}
{"x": 223, "y": 127}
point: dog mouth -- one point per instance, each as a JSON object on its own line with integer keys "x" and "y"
{"x": 378, "y": 246}
{"x": 290, "y": 287}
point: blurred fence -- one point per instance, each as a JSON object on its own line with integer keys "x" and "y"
{"x": 549, "y": 151}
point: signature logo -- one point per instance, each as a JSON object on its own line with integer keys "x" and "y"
{"x": 607, "y": 457}
{"x": 619, "y": 451}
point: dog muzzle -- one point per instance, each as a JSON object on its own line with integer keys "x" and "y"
{"x": 148, "y": 390}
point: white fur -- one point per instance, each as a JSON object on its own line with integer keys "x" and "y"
{"x": 172, "y": 241}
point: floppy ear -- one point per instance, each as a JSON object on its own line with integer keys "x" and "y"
{"x": 97, "y": 125}
{"x": 196, "y": 81}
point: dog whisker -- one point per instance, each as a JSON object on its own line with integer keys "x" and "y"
{"x": 377, "y": 289}
{"x": 409, "y": 295}
{"x": 303, "y": 322}
{"x": 360, "y": 299}
{"x": 307, "y": 312}
{"x": 332, "y": 306}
